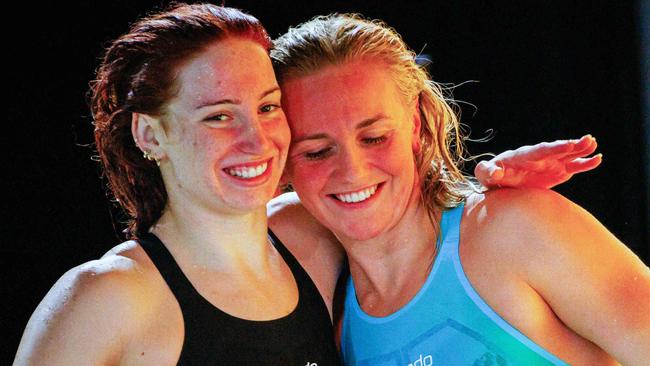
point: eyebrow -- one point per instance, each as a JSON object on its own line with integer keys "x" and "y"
{"x": 369, "y": 121}
{"x": 363, "y": 124}
{"x": 234, "y": 101}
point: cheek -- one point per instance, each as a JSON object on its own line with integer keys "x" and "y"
{"x": 307, "y": 177}
{"x": 204, "y": 145}
{"x": 278, "y": 131}
{"x": 398, "y": 161}
{"x": 398, "y": 155}
{"x": 283, "y": 135}
{"x": 309, "y": 180}
{"x": 206, "y": 152}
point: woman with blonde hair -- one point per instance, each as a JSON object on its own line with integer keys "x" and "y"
{"x": 440, "y": 273}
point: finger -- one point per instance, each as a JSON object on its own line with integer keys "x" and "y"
{"x": 488, "y": 173}
{"x": 496, "y": 172}
{"x": 557, "y": 146}
{"x": 584, "y": 143}
{"x": 548, "y": 150}
{"x": 481, "y": 172}
{"x": 545, "y": 150}
{"x": 582, "y": 153}
{"x": 583, "y": 147}
{"x": 584, "y": 164}
{"x": 511, "y": 178}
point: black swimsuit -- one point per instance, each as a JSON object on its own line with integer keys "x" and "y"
{"x": 303, "y": 338}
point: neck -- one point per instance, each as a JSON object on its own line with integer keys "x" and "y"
{"x": 217, "y": 241}
{"x": 388, "y": 270}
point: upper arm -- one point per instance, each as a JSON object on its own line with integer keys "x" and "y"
{"x": 306, "y": 237}
{"x": 313, "y": 245}
{"x": 591, "y": 280}
{"x": 81, "y": 319}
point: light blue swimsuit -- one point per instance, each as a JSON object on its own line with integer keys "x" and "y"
{"x": 446, "y": 323}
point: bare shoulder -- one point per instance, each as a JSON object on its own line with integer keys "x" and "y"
{"x": 315, "y": 247}
{"x": 281, "y": 209}
{"x": 514, "y": 201}
{"x": 540, "y": 235}
{"x": 593, "y": 283}
{"x": 90, "y": 310}
{"x": 517, "y": 216}
{"x": 286, "y": 211}
{"x": 289, "y": 219}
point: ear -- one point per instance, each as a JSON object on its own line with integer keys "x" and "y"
{"x": 148, "y": 134}
{"x": 417, "y": 124}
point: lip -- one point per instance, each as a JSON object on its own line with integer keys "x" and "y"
{"x": 260, "y": 179}
{"x": 361, "y": 204}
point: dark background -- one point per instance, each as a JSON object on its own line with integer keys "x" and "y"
{"x": 546, "y": 70}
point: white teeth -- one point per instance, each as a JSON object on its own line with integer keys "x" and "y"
{"x": 359, "y": 196}
{"x": 248, "y": 173}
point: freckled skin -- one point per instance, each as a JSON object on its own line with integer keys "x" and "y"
{"x": 224, "y": 71}
{"x": 118, "y": 309}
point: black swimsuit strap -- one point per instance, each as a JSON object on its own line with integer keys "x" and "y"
{"x": 299, "y": 273}
{"x": 183, "y": 289}
{"x": 215, "y": 337}
{"x": 179, "y": 284}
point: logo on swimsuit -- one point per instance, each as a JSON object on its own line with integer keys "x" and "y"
{"x": 311, "y": 364}
{"x": 423, "y": 361}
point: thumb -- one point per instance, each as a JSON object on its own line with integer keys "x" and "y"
{"x": 488, "y": 173}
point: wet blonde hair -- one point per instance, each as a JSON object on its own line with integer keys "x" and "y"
{"x": 340, "y": 38}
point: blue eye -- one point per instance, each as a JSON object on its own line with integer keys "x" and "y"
{"x": 317, "y": 155}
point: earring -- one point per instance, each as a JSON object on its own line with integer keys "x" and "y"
{"x": 147, "y": 155}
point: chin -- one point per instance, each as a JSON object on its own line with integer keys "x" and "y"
{"x": 358, "y": 232}
{"x": 252, "y": 203}
{"x": 247, "y": 207}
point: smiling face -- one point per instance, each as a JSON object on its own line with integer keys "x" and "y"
{"x": 351, "y": 160}
{"x": 226, "y": 135}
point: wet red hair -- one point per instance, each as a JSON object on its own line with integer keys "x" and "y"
{"x": 137, "y": 75}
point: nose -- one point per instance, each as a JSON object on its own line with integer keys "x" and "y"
{"x": 352, "y": 164}
{"x": 253, "y": 136}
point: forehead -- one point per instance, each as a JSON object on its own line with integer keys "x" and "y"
{"x": 227, "y": 68}
{"x": 350, "y": 92}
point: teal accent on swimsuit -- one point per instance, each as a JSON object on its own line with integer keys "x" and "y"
{"x": 446, "y": 323}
